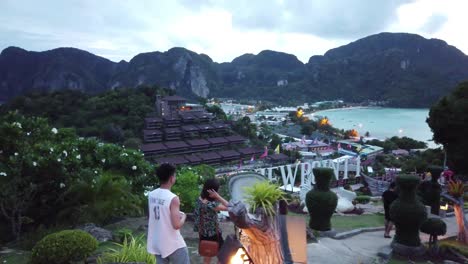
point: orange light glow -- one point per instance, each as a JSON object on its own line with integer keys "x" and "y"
{"x": 240, "y": 257}
{"x": 354, "y": 133}
{"x": 324, "y": 121}
{"x": 299, "y": 112}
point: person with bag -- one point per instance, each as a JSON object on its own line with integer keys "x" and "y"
{"x": 206, "y": 223}
{"x": 165, "y": 220}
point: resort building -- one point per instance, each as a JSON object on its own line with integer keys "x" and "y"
{"x": 349, "y": 147}
{"x": 180, "y": 133}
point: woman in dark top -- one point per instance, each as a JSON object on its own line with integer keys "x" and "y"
{"x": 206, "y": 211}
{"x": 388, "y": 197}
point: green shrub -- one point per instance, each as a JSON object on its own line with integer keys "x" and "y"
{"x": 121, "y": 234}
{"x": 264, "y": 195}
{"x": 132, "y": 250}
{"x": 434, "y": 226}
{"x": 454, "y": 245}
{"x": 320, "y": 201}
{"x": 64, "y": 247}
{"x": 362, "y": 199}
{"x": 407, "y": 212}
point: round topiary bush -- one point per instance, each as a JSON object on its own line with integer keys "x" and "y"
{"x": 63, "y": 247}
{"x": 320, "y": 201}
{"x": 407, "y": 212}
{"x": 434, "y": 226}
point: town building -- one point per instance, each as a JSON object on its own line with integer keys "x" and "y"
{"x": 180, "y": 133}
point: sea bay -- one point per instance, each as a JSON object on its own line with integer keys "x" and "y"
{"x": 382, "y": 122}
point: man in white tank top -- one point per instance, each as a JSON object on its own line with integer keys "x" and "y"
{"x": 165, "y": 220}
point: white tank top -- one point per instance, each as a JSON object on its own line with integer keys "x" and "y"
{"x": 163, "y": 239}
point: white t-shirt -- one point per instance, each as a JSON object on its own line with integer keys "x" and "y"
{"x": 163, "y": 239}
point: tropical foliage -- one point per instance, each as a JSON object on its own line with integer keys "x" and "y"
{"x": 45, "y": 172}
{"x": 264, "y": 195}
{"x": 115, "y": 116}
{"x": 132, "y": 250}
{"x": 448, "y": 119}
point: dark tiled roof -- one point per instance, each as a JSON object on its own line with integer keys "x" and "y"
{"x": 153, "y": 119}
{"x": 172, "y": 160}
{"x": 176, "y": 144}
{"x": 250, "y": 151}
{"x": 148, "y": 132}
{"x": 153, "y": 147}
{"x": 190, "y": 128}
{"x": 209, "y": 156}
{"x": 168, "y": 119}
{"x": 187, "y": 116}
{"x": 217, "y": 140}
{"x": 228, "y": 153}
{"x": 172, "y": 130}
{"x": 219, "y": 125}
{"x": 204, "y": 127}
{"x": 192, "y": 158}
{"x": 235, "y": 138}
{"x": 202, "y": 114}
{"x": 198, "y": 142}
{"x": 173, "y": 98}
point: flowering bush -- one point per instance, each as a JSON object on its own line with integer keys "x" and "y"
{"x": 40, "y": 164}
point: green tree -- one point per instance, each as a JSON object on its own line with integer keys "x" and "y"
{"x": 448, "y": 120}
{"x": 217, "y": 112}
{"x": 39, "y": 164}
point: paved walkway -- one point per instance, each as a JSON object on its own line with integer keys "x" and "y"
{"x": 362, "y": 248}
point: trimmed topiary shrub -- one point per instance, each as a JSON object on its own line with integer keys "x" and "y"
{"x": 64, "y": 247}
{"x": 362, "y": 199}
{"x": 434, "y": 227}
{"x": 320, "y": 201}
{"x": 407, "y": 212}
{"x": 429, "y": 191}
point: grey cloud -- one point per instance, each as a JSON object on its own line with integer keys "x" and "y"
{"x": 330, "y": 19}
{"x": 434, "y": 23}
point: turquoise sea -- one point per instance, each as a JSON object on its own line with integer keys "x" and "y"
{"x": 382, "y": 122}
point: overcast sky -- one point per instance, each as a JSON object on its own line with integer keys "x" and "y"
{"x": 222, "y": 29}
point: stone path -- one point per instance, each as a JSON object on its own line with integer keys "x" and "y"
{"x": 362, "y": 248}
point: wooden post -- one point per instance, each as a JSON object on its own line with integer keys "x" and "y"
{"x": 264, "y": 234}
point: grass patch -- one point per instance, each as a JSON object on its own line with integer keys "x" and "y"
{"x": 346, "y": 223}
{"x": 454, "y": 244}
{"x": 16, "y": 257}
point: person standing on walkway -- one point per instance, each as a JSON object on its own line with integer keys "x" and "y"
{"x": 388, "y": 197}
{"x": 206, "y": 211}
{"x": 165, "y": 220}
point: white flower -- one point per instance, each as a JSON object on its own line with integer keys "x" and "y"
{"x": 17, "y": 124}
{"x": 124, "y": 154}
{"x": 54, "y": 130}
{"x": 59, "y": 160}
{"x": 62, "y": 185}
{"x": 16, "y": 153}
{"x": 78, "y": 156}
{"x": 95, "y": 172}
{"x": 3, "y": 174}
{"x": 65, "y": 153}
{"x": 134, "y": 167}
{"x": 28, "y": 133}
{"x": 51, "y": 149}
{"x": 103, "y": 160}
{"x": 34, "y": 163}
{"x": 100, "y": 144}
{"x": 81, "y": 138}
